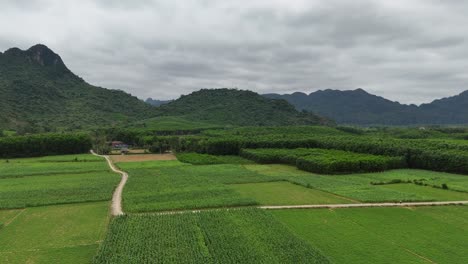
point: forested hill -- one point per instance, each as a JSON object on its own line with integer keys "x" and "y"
{"x": 38, "y": 93}
{"x": 237, "y": 107}
{"x": 361, "y": 108}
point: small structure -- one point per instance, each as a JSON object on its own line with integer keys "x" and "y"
{"x": 121, "y": 146}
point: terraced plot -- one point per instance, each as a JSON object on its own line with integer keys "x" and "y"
{"x": 384, "y": 235}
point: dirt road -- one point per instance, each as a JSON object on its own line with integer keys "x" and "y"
{"x": 116, "y": 206}
{"x": 357, "y": 205}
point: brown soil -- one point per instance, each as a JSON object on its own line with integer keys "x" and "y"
{"x": 142, "y": 157}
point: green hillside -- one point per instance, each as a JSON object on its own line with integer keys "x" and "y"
{"x": 38, "y": 93}
{"x": 237, "y": 107}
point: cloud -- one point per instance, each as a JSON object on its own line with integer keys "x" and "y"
{"x": 411, "y": 51}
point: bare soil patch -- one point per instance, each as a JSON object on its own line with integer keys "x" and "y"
{"x": 142, "y": 157}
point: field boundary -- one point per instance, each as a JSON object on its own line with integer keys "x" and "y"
{"x": 359, "y": 205}
{"x": 116, "y": 205}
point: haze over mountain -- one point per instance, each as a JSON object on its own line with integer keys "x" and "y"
{"x": 362, "y": 108}
{"x": 38, "y": 93}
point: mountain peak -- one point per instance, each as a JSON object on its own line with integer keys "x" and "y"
{"x": 41, "y": 54}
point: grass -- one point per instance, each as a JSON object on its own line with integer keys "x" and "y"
{"x": 206, "y": 159}
{"x": 172, "y": 185}
{"x": 384, "y": 235}
{"x": 56, "y": 189}
{"x": 234, "y": 236}
{"x": 285, "y": 193}
{"x": 55, "y": 180}
{"x": 359, "y": 187}
{"x": 20, "y": 168}
{"x": 54, "y": 234}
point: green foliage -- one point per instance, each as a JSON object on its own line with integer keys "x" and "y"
{"x": 325, "y": 161}
{"x": 55, "y": 180}
{"x": 44, "y": 144}
{"x": 234, "y": 236}
{"x": 206, "y": 159}
{"x": 433, "y": 154}
{"x": 237, "y": 107}
{"x": 384, "y": 235}
{"x": 43, "y": 97}
{"x": 54, "y": 234}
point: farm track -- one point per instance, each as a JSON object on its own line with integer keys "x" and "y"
{"x": 116, "y": 205}
{"x": 361, "y": 205}
{"x": 311, "y": 206}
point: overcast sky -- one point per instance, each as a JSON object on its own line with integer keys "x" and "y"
{"x": 412, "y": 51}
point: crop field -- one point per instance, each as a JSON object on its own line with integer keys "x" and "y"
{"x": 235, "y": 236}
{"x": 172, "y": 185}
{"x": 53, "y": 234}
{"x": 384, "y": 235}
{"x": 55, "y": 180}
{"x": 207, "y": 159}
{"x": 64, "y": 232}
{"x": 286, "y": 193}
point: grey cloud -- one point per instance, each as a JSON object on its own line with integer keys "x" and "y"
{"x": 411, "y": 51}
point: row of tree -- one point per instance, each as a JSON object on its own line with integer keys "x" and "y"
{"x": 44, "y": 144}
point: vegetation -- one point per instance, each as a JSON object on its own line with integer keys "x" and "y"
{"x": 235, "y": 236}
{"x": 447, "y": 155}
{"x": 38, "y": 93}
{"x": 384, "y": 235}
{"x": 325, "y": 161}
{"x": 45, "y": 144}
{"x": 206, "y": 159}
{"x": 285, "y": 193}
{"x": 237, "y": 107}
{"x": 54, "y": 180}
{"x": 54, "y": 234}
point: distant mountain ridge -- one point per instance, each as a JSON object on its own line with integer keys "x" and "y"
{"x": 155, "y": 102}
{"x": 362, "y": 108}
{"x": 238, "y": 107}
{"x": 38, "y": 93}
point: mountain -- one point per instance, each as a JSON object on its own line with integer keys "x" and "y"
{"x": 237, "y": 107}
{"x": 38, "y": 93}
{"x": 361, "y": 108}
{"x": 156, "y": 103}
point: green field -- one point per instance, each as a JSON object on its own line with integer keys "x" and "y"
{"x": 206, "y": 159}
{"x": 171, "y": 185}
{"x": 235, "y": 236}
{"x": 285, "y": 193}
{"x": 53, "y": 234}
{"x": 55, "y": 180}
{"x": 384, "y": 235}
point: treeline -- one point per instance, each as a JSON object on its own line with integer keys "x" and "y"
{"x": 437, "y": 155}
{"x": 43, "y": 145}
{"x": 325, "y": 161}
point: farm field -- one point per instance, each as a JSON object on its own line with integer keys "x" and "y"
{"x": 286, "y": 193}
{"x": 172, "y": 185}
{"x": 384, "y": 235}
{"x": 58, "y": 219}
{"x": 53, "y": 234}
{"x": 55, "y": 180}
{"x": 234, "y": 236}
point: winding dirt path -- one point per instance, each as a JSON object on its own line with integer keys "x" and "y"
{"x": 116, "y": 206}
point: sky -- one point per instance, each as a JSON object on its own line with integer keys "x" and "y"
{"x": 412, "y": 51}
